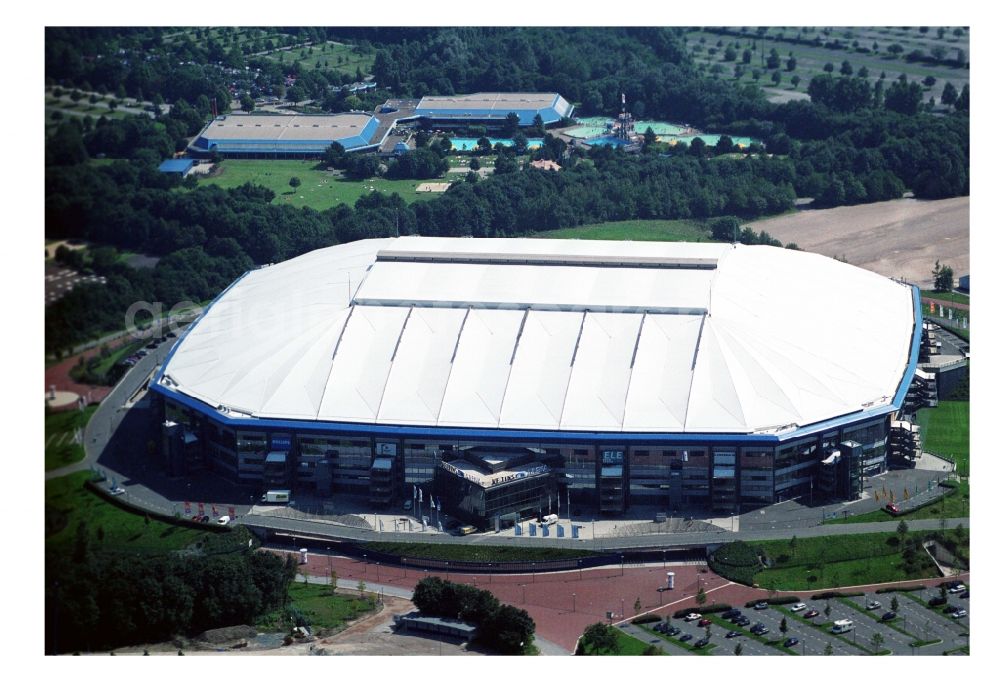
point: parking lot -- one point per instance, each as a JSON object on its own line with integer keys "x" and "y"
{"x": 914, "y": 623}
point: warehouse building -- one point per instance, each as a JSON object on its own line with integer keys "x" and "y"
{"x": 492, "y": 108}
{"x": 286, "y": 136}
{"x": 508, "y": 377}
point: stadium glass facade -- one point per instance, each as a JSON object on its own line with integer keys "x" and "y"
{"x": 723, "y": 474}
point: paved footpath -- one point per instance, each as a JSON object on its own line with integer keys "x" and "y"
{"x": 563, "y": 604}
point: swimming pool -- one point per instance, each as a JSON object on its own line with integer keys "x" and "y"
{"x": 467, "y": 144}
{"x": 607, "y": 141}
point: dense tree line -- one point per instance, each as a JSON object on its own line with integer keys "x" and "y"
{"x": 501, "y": 627}
{"x": 105, "y": 600}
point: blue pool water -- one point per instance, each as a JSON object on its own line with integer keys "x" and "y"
{"x": 606, "y": 141}
{"x": 467, "y": 144}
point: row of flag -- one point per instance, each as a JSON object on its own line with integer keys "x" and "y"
{"x": 201, "y": 510}
{"x": 418, "y": 498}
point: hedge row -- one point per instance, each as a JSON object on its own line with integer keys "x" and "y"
{"x": 835, "y": 595}
{"x": 774, "y": 601}
{"x": 648, "y": 618}
{"x": 702, "y": 610}
{"x": 904, "y": 588}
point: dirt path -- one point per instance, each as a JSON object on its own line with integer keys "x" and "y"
{"x": 899, "y": 238}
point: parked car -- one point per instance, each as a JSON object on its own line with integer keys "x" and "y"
{"x": 937, "y": 601}
{"x": 685, "y": 638}
{"x": 873, "y": 605}
{"x": 888, "y": 616}
{"x": 702, "y": 642}
{"x": 691, "y": 617}
{"x": 407, "y": 505}
{"x": 796, "y": 607}
{"x": 791, "y": 641}
{"x": 956, "y": 587}
{"x": 704, "y": 622}
{"x": 117, "y": 490}
{"x": 961, "y": 612}
{"x": 760, "y": 631}
{"x": 733, "y": 634}
{"x": 742, "y": 621}
{"x": 952, "y": 609}
{"x": 964, "y": 595}
{"x": 672, "y": 631}
{"x": 731, "y": 613}
{"x": 223, "y": 520}
{"x": 760, "y": 605}
{"x": 892, "y": 508}
{"x": 811, "y": 613}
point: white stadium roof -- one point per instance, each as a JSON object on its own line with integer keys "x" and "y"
{"x": 550, "y": 335}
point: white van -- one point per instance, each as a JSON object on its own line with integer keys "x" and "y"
{"x": 550, "y": 520}
{"x": 275, "y": 497}
{"x": 842, "y": 626}
{"x": 223, "y": 520}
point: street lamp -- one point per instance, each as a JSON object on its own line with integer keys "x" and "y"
{"x": 574, "y": 602}
{"x": 623, "y": 609}
{"x": 522, "y": 593}
{"x": 378, "y": 578}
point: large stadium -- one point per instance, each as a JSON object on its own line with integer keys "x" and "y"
{"x": 511, "y": 376}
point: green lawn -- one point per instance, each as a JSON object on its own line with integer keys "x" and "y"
{"x": 946, "y": 295}
{"x": 637, "y": 230}
{"x": 945, "y": 431}
{"x": 59, "y": 447}
{"x": 105, "y": 363}
{"x": 954, "y": 505}
{"x": 837, "y": 560}
{"x": 481, "y": 553}
{"x": 339, "y": 58}
{"x": 68, "y": 504}
{"x": 628, "y": 646}
{"x": 320, "y": 606}
{"x": 320, "y": 189}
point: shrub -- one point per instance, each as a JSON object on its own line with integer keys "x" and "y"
{"x": 737, "y": 561}
{"x": 774, "y": 601}
{"x": 903, "y": 588}
{"x": 702, "y": 610}
{"x": 835, "y": 595}
{"x": 648, "y": 618}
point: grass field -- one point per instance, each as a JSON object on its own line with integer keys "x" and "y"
{"x": 320, "y": 189}
{"x": 484, "y": 553}
{"x": 637, "y": 230}
{"x": 628, "y": 646}
{"x": 68, "y": 504}
{"x": 946, "y": 295}
{"x": 321, "y": 607}
{"x": 59, "y": 427}
{"x": 331, "y": 56}
{"x": 811, "y": 58}
{"x": 834, "y": 561}
{"x": 945, "y": 431}
{"x": 954, "y": 505}
{"x": 105, "y": 363}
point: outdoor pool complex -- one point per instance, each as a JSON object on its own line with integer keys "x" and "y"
{"x": 466, "y": 144}
{"x": 595, "y": 131}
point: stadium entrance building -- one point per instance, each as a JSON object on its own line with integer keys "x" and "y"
{"x": 500, "y": 374}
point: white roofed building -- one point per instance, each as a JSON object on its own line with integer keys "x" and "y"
{"x": 647, "y": 373}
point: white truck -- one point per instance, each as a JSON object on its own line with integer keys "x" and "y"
{"x": 280, "y": 496}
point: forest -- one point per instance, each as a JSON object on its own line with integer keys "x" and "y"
{"x": 108, "y": 599}
{"x": 848, "y": 145}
